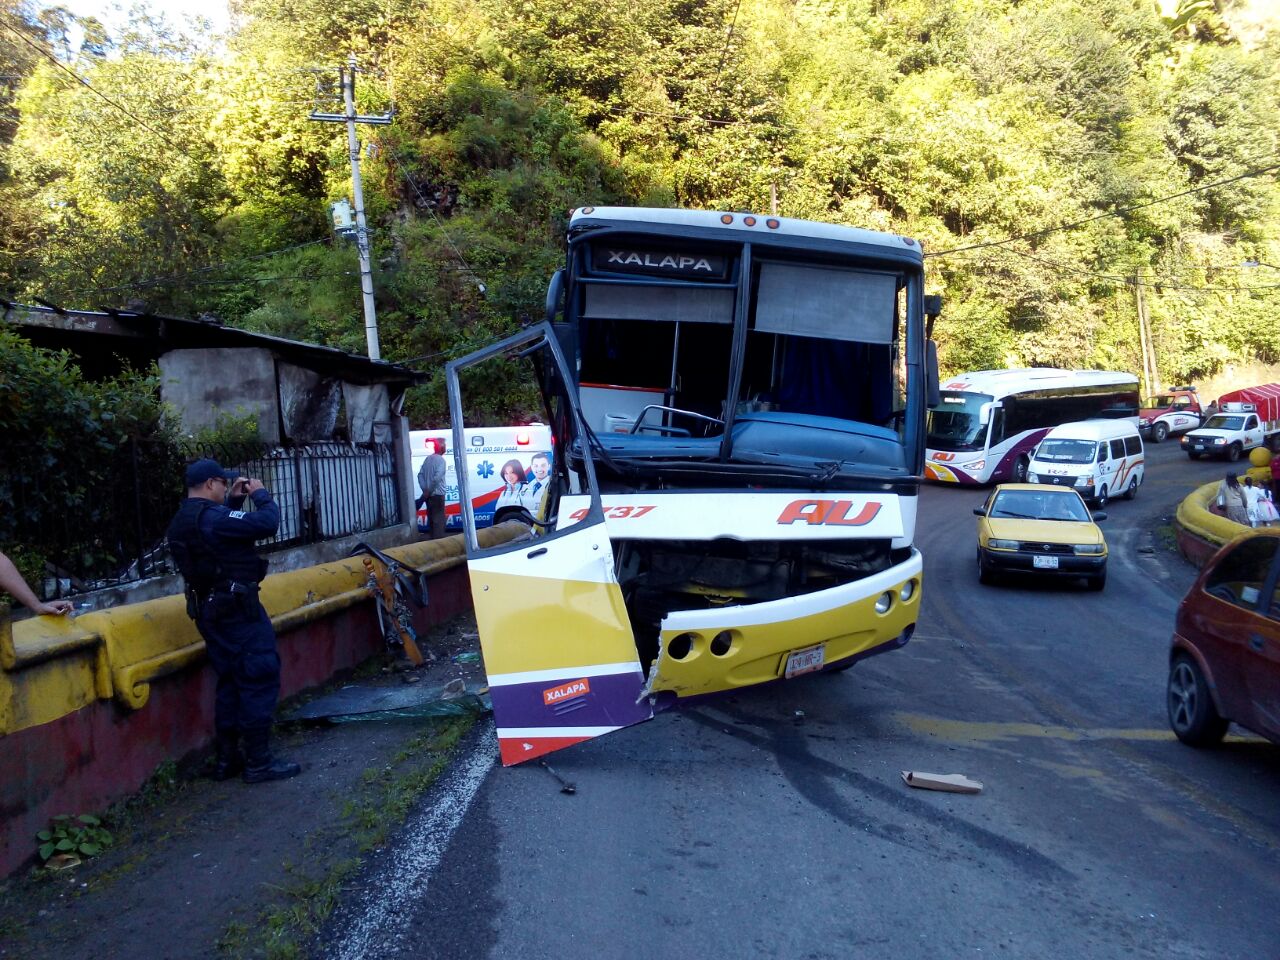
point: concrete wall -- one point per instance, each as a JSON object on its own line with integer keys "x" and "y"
{"x": 210, "y": 382}
{"x": 90, "y": 705}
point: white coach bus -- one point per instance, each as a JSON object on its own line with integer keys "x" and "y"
{"x": 988, "y": 421}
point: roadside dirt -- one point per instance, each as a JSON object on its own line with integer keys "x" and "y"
{"x": 204, "y": 869}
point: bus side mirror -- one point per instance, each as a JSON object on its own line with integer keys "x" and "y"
{"x": 932, "y": 384}
{"x": 555, "y": 295}
{"x": 984, "y": 414}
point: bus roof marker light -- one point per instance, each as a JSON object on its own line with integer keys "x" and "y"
{"x": 522, "y": 439}
{"x": 587, "y": 210}
{"x": 726, "y": 218}
{"x": 772, "y": 224}
{"x": 749, "y": 221}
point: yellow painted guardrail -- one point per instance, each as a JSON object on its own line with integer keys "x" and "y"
{"x": 53, "y": 666}
{"x": 1193, "y": 513}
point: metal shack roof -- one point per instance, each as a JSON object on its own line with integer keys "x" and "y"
{"x": 145, "y": 337}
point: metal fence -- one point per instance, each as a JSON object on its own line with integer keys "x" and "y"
{"x": 115, "y": 535}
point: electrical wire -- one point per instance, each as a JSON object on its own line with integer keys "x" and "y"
{"x": 87, "y": 85}
{"x": 1111, "y": 213}
{"x": 158, "y": 281}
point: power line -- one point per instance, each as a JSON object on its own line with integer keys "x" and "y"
{"x": 1111, "y": 213}
{"x": 1142, "y": 280}
{"x": 399, "y": 159}
{"x": 158, "y": 281}
{"x": 87, "y": 85}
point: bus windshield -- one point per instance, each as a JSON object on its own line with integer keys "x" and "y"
{"x": 1066, "y": 451}
{"x": 955, "y": 424}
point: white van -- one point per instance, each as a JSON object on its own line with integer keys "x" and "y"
{"x": 1099, "y": 458}
{"x": 488, "y": 450}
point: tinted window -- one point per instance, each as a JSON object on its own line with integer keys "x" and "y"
{"x": 1117, "y": 449}
{"x": 1239, "y": 576}
{"x": 1132, "y": 445}
{"x": 1102, "y": 451}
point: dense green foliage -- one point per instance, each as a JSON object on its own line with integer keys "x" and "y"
{"x": 959, "y": 122}
{"x": 73, "y": 451}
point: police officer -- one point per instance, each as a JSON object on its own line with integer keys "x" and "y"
{"x": 212, "y": 545}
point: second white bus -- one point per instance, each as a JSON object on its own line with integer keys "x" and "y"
{"x": 989, "y": 420}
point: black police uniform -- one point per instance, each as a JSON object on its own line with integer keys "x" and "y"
{"x": 214, "y": 549}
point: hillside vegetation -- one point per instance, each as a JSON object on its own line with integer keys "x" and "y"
{"x": 202, "y": 186}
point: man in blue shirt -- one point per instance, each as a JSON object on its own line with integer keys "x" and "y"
{"x": 213, "y": 546}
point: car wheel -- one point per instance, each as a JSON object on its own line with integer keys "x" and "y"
{"x": 1098, "y": 581}
{"x": 1102, "y": 497}
{"x": 1132, "y": 492}
{"x": 1159, "y": 432}
{"x": 1233, "y": 452}
{"x": 1193, "y": 456}
{"x": 985, "y": 573}
{"x": 1192, "y": 715}
{"x": 1021, "y": 467}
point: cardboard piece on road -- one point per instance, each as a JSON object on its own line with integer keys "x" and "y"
{"x": 949, "y": 782}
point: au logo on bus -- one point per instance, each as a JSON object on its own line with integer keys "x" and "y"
{"x": 833, "y": 513}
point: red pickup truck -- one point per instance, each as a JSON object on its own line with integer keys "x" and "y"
{"x": 1174, "y": 411}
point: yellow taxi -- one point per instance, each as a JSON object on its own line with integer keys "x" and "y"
{"x": 1030, "y": 528}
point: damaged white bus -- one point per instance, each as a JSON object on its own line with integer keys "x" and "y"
{"x": 737, "y": 408}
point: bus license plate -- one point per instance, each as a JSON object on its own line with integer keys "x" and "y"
{"x": 806, "y": 660}
{"x": 1045, "y": 563}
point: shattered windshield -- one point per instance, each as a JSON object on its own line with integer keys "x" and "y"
{"x": 954, "y": 424}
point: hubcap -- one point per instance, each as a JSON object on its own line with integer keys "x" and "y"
{"x": 1182, "y": 697}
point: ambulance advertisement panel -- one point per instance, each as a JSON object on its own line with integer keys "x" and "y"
{"x": 523, "y": 453}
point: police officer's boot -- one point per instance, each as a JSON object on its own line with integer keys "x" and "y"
{"x": 227, "y": 760}
{"x": 259, "y": 764}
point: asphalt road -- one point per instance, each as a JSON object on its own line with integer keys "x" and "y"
{"x": 744, "y": 830}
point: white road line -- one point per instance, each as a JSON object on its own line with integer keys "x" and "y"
{"x": 418, "y": 852}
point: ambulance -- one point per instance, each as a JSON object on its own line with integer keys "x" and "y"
{"x": 487, "y": 450}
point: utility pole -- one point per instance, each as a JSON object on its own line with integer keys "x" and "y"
{"x": 347, "y": 76}
{"x": 1151, "y": 373}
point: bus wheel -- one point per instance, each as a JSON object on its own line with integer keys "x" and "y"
{"x": 1132, "y": 492}
{"x": 1159, "y": 432}
{"x": 1020, "y": 468}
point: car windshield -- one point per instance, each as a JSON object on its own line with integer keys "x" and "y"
{"x": 1035, "y": 505}
{"x": 1066, "y": 451}
{"x": 955, "y": 424}
{"x": 1225, "y": 423}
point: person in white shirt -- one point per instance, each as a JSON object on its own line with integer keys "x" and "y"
{"x": 535, "y": 491}
{"x": 1252, "y": 495}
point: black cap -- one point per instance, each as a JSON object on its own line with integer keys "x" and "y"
{"x": 204, "y": 470}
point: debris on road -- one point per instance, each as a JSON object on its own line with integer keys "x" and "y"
{"x": 565, "y": 785}
{"x": 365, "y": 702}
{"x": 948, "y": 782}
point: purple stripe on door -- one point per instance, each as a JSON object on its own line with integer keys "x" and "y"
{"x": 609, "y": 701}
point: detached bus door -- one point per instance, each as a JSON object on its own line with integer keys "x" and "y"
{"x": 558, "y": 648}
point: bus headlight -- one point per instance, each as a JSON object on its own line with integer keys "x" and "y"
{"x": 1002, "y": 544}
{"x": 884, "y": 602}
{"x": 907, "y": 591}
{"x": 1089, "y": 549}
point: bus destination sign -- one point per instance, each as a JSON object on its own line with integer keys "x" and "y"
{"x": 663, "y": 263}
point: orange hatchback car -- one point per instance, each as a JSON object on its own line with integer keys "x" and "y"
{"x": 1224, "y": 665}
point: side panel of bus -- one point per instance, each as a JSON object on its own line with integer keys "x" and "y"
{"x": 488, "y": 450}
